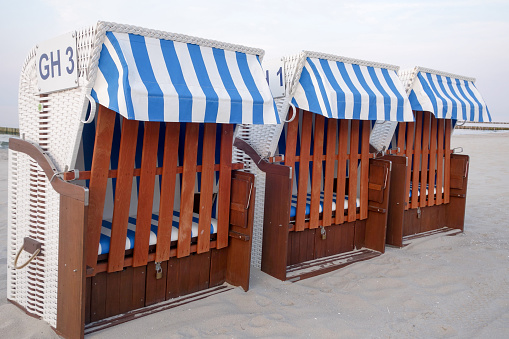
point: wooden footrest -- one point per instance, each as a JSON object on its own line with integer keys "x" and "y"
{"x": 450, "y": 231}
{"x": 161, "y": 306}
{"x": 315, "y": 267}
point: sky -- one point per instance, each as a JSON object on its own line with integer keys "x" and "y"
{"x": 466, "y": 37}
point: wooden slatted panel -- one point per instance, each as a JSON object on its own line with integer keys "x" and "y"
{"x": 341, "y": 175}
{"x": 316, "y": 181}
{"x": 98, "y": 182}
{"x": 168, "y": 177}
{"x": 424, "y": 163}
{"x": 122, "y": 200}
{"x": 440, "y": 161}
{"x": 364, "y": 169}
{"x": 207, "y": 187}
{"x": 146, "y": 193}
{"x": 291, "y": 144}
{"x": 432, "y": 161}
{"x": 330, "y": 159}
{"x": 352, "y": 181}
{"x": 447, "y": 164}
{"x": 417, "y": 161}
{"x": 401, "y": 137}
{"x": 409, "y": 154}
{"x": 223, "y": 196}
{"x": 302, "y": 186}
{"x": 187, "y": 190}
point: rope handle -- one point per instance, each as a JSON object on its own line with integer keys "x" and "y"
{"x": 36, "y": 253}
{"x": 92, "y": 110}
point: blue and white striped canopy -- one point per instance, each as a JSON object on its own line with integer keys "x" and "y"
{"x": 149, "y": 79}
{"x": 337, "y": 88}
{"x": 445, "y": 95}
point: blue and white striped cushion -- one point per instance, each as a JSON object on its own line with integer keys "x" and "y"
{"x": 293, "y": 206}
{"x": 104, "y": 243}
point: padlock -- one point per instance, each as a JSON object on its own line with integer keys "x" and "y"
{"x": 159, "y": 270}
{"x": 323, "y": 233}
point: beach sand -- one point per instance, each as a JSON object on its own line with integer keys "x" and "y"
{"x": 437, "y": 287}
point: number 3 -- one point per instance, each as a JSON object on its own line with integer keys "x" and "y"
{"x": 68, "y": 51}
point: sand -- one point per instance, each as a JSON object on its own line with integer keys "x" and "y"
{"x": 440, "y": 286}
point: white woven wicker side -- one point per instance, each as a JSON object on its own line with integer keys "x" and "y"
{"x": 382, "y": 134}
{"x": 12, "y": 221}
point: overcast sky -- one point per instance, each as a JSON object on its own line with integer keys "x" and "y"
{"x": 464, "y": 37}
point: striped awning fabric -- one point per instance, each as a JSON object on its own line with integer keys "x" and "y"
{"x": 149, "y": 79}
{"x": 446, "y": 95}
{"x": 342, "y": 88}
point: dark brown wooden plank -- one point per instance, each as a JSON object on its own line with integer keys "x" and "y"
{"x": 88, "y": 296}
{"x": 139, "y": 283}
{"x": 329, "y": 172}
{"x": 207, "y": 187}
{"x": 71, "y": 268}
{"x": 155, "y": 288}
{"x": 341, "y": 174}
{"x": 122, "y": 201}
{"x": 223, "y": 194}
{"x": 440, "y": 160}
{"x": 417, "y": 160}
{"x": 187, "y": 190}
{"x": 218, "y": 266}
{"x": 424, "y": 163}
{"x": 98, "y": 299}
{"x": 410, "y": 157}
{"x": 126, "y": 290}
{"x": 173, "y": 277}
{"x": 98, "y": 181}
{"x": 316, "y": 180}
{"x": 397, "y": 196}
{"x": 305, "y": 157}
{"x": 146, "y": 193}
{"x": 168, "y": 177}
{"x": 432, "y": 161}
{"x": 447, "y": 160}
{"x": 366, "y": 127}
{"x": 352, "y": 175}
{"x": 113, "y": 294}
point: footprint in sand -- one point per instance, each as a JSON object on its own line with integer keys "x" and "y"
{"x": 259, "y": 321}
{"x": 263, "y": 301}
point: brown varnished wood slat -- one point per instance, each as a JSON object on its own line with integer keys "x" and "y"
{"x": 187, "y": 190}
{"x": 71, "y": 268}
{"x": 146, "y": 193}
{"x": 122, "y": 201}
{"x": 167, "y": 196}
{"x": 401, "y": 137}
{"x": 305, "y": 157}
{"x": 432, "y": 160}
{"x": 366, "y": 127}
{"x": 329, "y": 172}
{"x": 417, "y": 160}
{"x": 98, "y": 181}
{"x": 447, "y": 160}
{"x": 113, "y": 294}
{"x": 409, "y": 154}
{"x": 352, "y": 181}
{"x": 207, "y": 186}
{"x": 291, "y": 144}
{"x": 316, "y": 179}
{"x": 341, "y": 175}
{"x": 440, "y": 161}
{"x": 424, "y": 163}
{"x": 223, "y": 194}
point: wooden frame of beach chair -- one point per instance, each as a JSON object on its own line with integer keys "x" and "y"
{"x": 154, "y": 167}
{"x": 429, "y": 181}
{"x": 340, "y": 197}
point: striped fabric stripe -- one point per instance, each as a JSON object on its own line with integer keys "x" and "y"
{"x": 293, "y": 206}
{"x": 342, "y": 90}
{"x": 448, "y": 97}
{"x": 104, "y": 243}
{"x": 149, "y": 79}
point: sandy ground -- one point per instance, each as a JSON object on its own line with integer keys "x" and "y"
{"x": 438, "y": 287}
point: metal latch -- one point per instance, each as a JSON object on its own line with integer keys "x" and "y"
{"x": 418, "y": 213}
{"x": 159, "y": 270}
{"x": 323, "y": 233}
